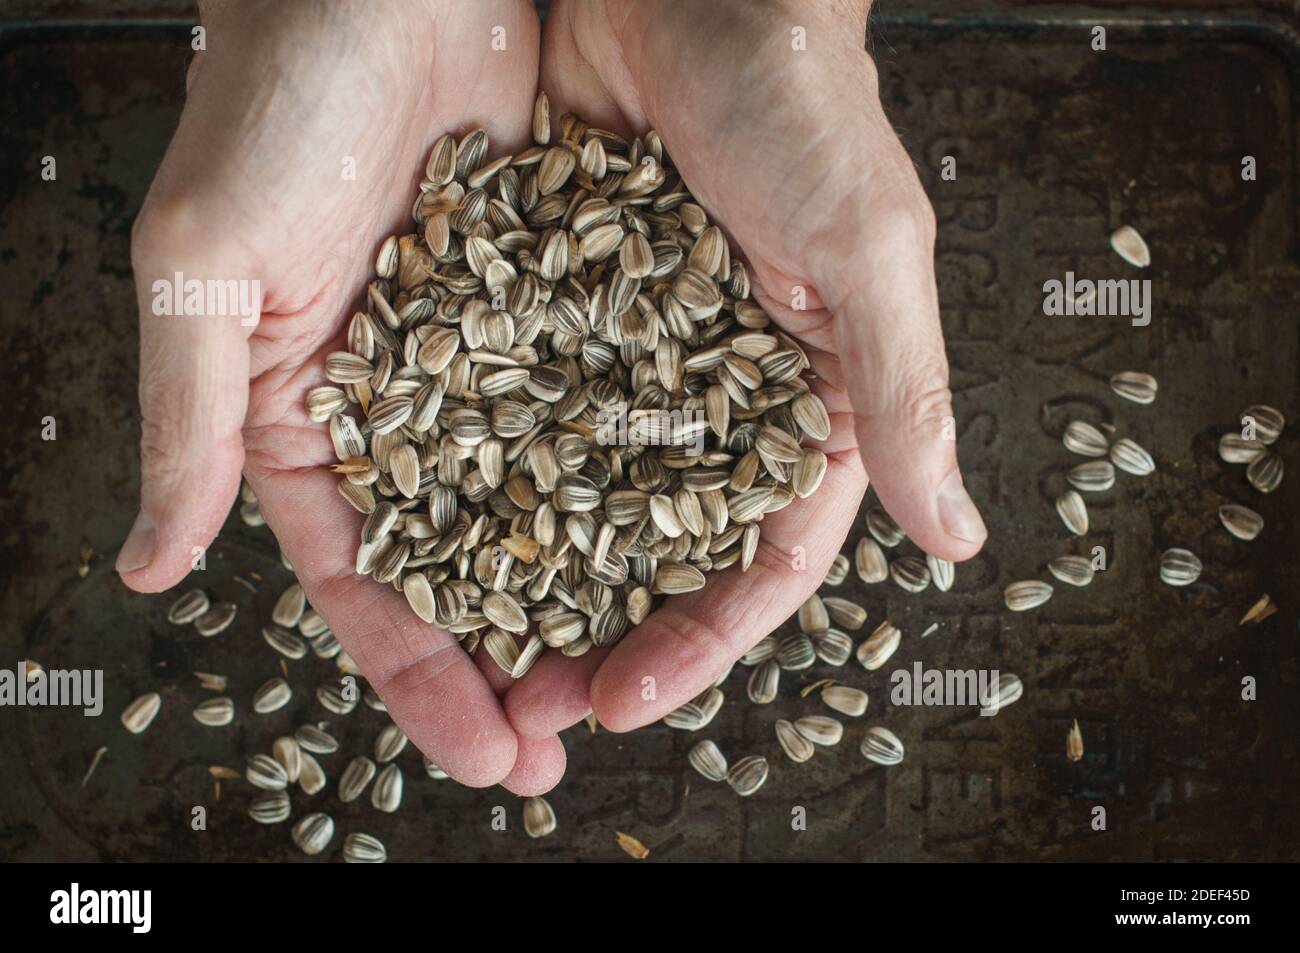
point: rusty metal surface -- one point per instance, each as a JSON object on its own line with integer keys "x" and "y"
{"x": 1055, "y": 145}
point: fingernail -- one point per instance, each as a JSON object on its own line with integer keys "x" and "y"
{"x": 957, "y": 511}
{"x": 139, "y": 546}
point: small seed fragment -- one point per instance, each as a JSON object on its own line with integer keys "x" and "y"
{"x": 1074, "y": 743}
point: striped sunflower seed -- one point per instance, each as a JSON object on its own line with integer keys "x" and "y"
{"x": 883, "y": 528}
{"x": 356, "y": 776}
{"x": 869, "y": 559}
{"x": 697, "y": 713}
{"x": 1027, "y": 594}
{"x": 315, "y": 739}
{"x": 215, "y": 712}
{"x": 1179, "y": 567}
{"x": 1241, "y": 521}
{"x": 1093, "y": 476}
{"x": 845, "y": 700}
{"x": 266, "y": 773}
{"x": 1268, "y": 422}
{"x": 1131, "y": 458}
{"x": 763, "y": 650}
{"x": 845, "y": 612}
{"x": 313, "y": 833}
{"x": 216, "y": 620}
{"x": 838, "y": 572}
{"x": 271, "y": 808}
{"x": 942, "y": 572}
{"x": 707, "y": 759}
{"x": 1085, "y": 439}
{"x": 539, "y": 817}
{"x": 795, "y": 652}
{"x": 386, "y": 795}
{"x": 389, "y": 744}
{"x": 311, "y": 778}
{"x": 1234, "y": 448}
{"x": 188, "y": 607}
{"x": 813, "y": 615}
{"x": 832, "y": 646}
{"x": 361, "y": 848}
{"x": 1072, "y": 570}
{"x": 141, "y": 712}
{"x": 820, "y": 729}
{"x": 876, "y": 649}
{"x": 272, "y": 696}
{"x": 1135, "y": 386}
{"x": 1265, "y": 473}
{"x": 287, "y": 643}
{"x": 289, "y": 607}
{"x": 881, "y": 746}
{"x": 764, "y": 681}
{"x": 286, "y": 751}
{"x": 910, "y": 572}
{"x": 747, "y": 775}
{"x": 334, "y": 698}
{"x": 1005, "y": 690}
{"x": 796, "y": 747}
{"x": 1074, "y": 514}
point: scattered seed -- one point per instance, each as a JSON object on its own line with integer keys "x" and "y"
{"x": 1029, "y": 594}
{"x": 1074, "y": 743}
{"x": 1179, "y": 567}
{"x": 707, "y": 759}
{"x": 1135, "y": 386}
{"x": 881, "y": 746}
{"x": 141, "y": 712}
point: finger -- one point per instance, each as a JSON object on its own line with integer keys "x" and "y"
{"x": 538, "y": 768}
{"x": 193, "y": 394}
{"x": 882, "y": 293}
{"x": 554, "y": 695}
{"x": 432, "y": 689}
{"x": 686, "y": 644}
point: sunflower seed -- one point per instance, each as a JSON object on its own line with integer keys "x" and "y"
{"x": 1241, "y": 521}
{"x": 1029, "y": 594}
{"x": 910, "y": 572}
{"x": 844, "y": 612}
{"x": 188, "y": 607}
{"x": 272, "y": 696}
{"x": 870, "y": 562}
{"x": 216, "y": 620}
{"x": 796, "y": 747}
{"x": 1072, "y": 570}
{"x": 845, "y": 700}
{"x": 316, "y": 740}
{"x": 215, "y": 712}
{"x": 311, "y": 779}
{"x": 876, "y": 649}
{"x": 389, "y": 744}
{"x": 1234, "y": 448}
{"x": 356, "y": 776}
{"x": 747, "y": 775}
{"x": 539, "y": 817}
{"x": 141, "y": 712}
{"x": 272, "y": 808}
{"x": 363, "y": 849}
{"x": 795, "y": 652}
{"x": 941, "y": 572}
{"x": 313, "y": 833}
{"x": 882, "y": 526}
{"x": 1093, "y": 476}
{"x": 820, "y": 729}
{"x": 333, "y": 697}
{"x": 1135, "y": 386}
{"x": 266, "y": 773}
{"x": 289, "y": 644}
{"x": 386, "y": 795}
{"x": 1129, "y": 245}
{"x": 832, "y": 646}
{"x": 813, "y": 615}
{"x": 838, "y": 572}
{"x": 1267, "y": 422}
{"x": 1085, "y": 439}
{"x": 1265, "y": 473}
{"x": 286, "y": 751}
{"x": 1074, "y": 514}
{"x": 882, "y": 746}
{"x": 1005, "y": 690}
{"x": 697, "y": 713}
{"x": 1131, "y": 458}
{"x": 1259, "y": 611}
{"x": 705, "y": 758}
{"x": 763, "y": 682}
{"x": 1179, "y": 567}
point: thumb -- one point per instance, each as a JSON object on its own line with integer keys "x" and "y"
{"x": 886, "y": 307}
{"x": 195, "y": 317}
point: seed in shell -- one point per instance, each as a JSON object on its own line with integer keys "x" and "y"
{"x": 832, "y": 646}
{"x": 1179, "y": 567}
{"x": 844, "y": 612}
{"x": 796, "y": 747}
{"x": 272, "y": 696}
{"x": 266, "y": 773}
{"x": 313, "y": 833}
{"x": 356, "y": 776}
{"x": 1092, "y": 476}
{"x": 314, "y": 739}
{"x": 1005, "y": 690}
{"x": 748, "y": 774}
{"x": 1265, "y": 473}
{"x": 870, "y": 562}
{"x": 188, "y": 607}
{"x": 1267, "y": 422}
{"x": 881, "y": 746}
{"x": 876, "y": 649}
{"x": 820, "y": 729}
{"x": 386, "y": 795}
{"x": 311, "y": 777}
{"x": 539, "y": 817}
{"x": 883, "y": 528}
{"x": 763, "y": 682}
{"x": 361, "y": 848}
{"x": 1085, "y": 439}
{"x": 287, "y": 751}
{"x": 389, "y": 744}
{"x": 942, "y": 572}
{"x": 1234, "y": 448}
{"x": 1131, "y": 458}
{"x": 1027, "y": 594}
{"x": 1073, "y": 512}
{"x": 289, "y": 607}
{"x": 1072, "y": 570}
{"x": 216, "y": 620}
{"x": 215, "y": 712}
{"x": 141, "y": 712}
{"x": 910, "y": 572}
{"x": 1129, "y": 245}
{"x": 706, "y": 758}
{"x": 1241, "y": 521}
{"x": 270, "y": 808}
{"x": 1135, "y": 386}
{"x": 838, "y": 572}
{"x": 845, "y": 700}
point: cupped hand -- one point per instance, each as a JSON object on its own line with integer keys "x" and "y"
{"x": 299, "y": 149}
{"x": 771, "y": 113}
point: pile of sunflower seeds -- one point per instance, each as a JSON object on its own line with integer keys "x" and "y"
{"x": 569, "y": 402}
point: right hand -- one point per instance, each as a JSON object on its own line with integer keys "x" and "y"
{"x": 253, "y": 187}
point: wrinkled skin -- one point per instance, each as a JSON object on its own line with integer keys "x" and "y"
{"x": 813, "y": 188}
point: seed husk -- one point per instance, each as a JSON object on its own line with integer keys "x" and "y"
{"x": 1074, "y": 514}
{"x": 876, "y": 649}
{"x": 1265, "y": 473}
{"x": 1135, "y": 386}
{"x": 313, "y": 833}
{"x": 1072, "y": 570}
{"x": 1131, "y": 458}
{"x": 1259, "y": 611}
{"x": 1241, "y": 521}
{"x": 631, "y": 846}
{"x": 1085, "y": 439}
{"x": 796, "y": 747}
{"x": 708, "y": 760}
{"x": 361, "y": 848}
{"x": 215, "y": 712}
{"x": 1179, "y": 567}
{"x": 1074, "y": 743}
{"x": 1005, "y": 690}
{"x": 141, "y": 712}
{"x": 845, "y": 699}
{"x": 881, "y": 746}
{"x": 1129, "y": 245}
{"x": 1093, "y": 476}
{"x": 188, "y": 607}
{"x": 1027, "y": 594}
{"x": 748, "y": 774}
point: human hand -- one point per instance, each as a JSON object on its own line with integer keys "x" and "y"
{"x": 789, "y": 150}
{"x": 286, "y": 98}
